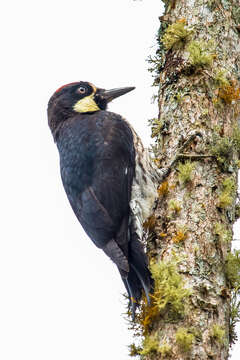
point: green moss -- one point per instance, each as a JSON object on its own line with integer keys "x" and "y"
{"x": 217, "y": 333}
{"x": 185, "y": 171}
{"x": 225, "y": 200}
{"x": 220, "y": 77}
{"x": 184, "y": 339}
{"x": 179, "y": 97}
{"x": 150, "y": 345}
{"x": 176, "y": 34}
{"x": 234, "y": 315}
{"x": 168, "y": 301}
{"x": 170, "y": 292}
{"x": 174, "y": 205}
{"x": 205, "y": 112}
{"x": 201, "y": 54}
{"x": 223, "y": 234}
{"x": 226, "y": 197}
{"x": 236, "y": 138}
{"x": 232, "y": 269}
{"x": 134, "y": 350}
{"x": 164, "y": 349}
{"x": 222, "y": 148}
{"x": 156, "y": 127}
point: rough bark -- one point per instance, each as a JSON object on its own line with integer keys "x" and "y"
{"x": 190, "y": 232}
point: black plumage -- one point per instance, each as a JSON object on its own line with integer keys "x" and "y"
{"x": 98, "y": 166}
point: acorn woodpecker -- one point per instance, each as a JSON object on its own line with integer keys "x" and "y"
{"x": 108, "y": 177}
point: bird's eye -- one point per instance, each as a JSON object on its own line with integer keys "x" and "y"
{"x": 81, "y": 90}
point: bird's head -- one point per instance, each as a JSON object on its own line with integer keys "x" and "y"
{"x": 79, "y": 97}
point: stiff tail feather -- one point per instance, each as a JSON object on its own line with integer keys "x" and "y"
{"x": 139, "y": 277}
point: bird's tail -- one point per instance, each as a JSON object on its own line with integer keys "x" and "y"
{"x": 139, "y": 278}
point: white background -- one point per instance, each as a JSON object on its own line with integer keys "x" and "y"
{"x": 60, "y": 296}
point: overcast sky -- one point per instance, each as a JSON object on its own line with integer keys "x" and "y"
{"x": 61, "y": 298}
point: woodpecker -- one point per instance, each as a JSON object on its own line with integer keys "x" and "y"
{"x": 108, "y": 177}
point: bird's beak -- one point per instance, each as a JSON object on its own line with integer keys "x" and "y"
{"x": 109, "y": 95}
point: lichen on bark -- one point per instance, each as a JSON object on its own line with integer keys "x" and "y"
{"x": 197, "y": 71}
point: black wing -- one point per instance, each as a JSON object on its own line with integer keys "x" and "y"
{"x": 97, "y": 166}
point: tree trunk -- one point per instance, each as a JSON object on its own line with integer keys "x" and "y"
{"x": 189, "y": 235}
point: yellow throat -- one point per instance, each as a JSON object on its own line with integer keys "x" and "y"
{"x": 87, "y": 104}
